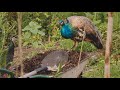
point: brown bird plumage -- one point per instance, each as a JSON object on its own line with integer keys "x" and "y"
{"x": 92, "y": 35}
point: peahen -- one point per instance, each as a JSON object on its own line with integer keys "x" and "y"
{"x": 7, "y": 57}
{"x": 78, "y": 28}
{"x": 10, "y": 53}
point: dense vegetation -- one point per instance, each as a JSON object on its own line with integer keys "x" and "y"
{"x": 41, "y": 30}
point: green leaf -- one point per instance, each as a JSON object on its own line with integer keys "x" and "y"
{"x": 34, "y": 31}
{"x": 41, "y": 33}
{"x": 26, "y": 28}
{"x": 27, "y": 35}
{"x": 97, "y": 22}
{"x": 89, "y": 15}
{"x": 38, "y": 26}
{"x": 59, "y": 67}
{"x": 25, "y": 43}
{"x": 35, "y": 44}
{"x": 31, "y": 24}
{"x": 40, "y": 43}
{"x": 47, "y": 15}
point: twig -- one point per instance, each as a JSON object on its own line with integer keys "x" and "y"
{"x": 81, "y": 49}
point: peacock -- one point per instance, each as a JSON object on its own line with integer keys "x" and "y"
{"x": 78, "y": 28}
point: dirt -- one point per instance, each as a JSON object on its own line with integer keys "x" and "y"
{"x": 73, "y": 60}
{"x": 35, "y": 62}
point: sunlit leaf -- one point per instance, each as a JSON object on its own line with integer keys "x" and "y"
{"x": 35, "y": 44}
{"x": 25, "y": 43}
{"x": 27, "y": 35}
{"x": 41, "y": 33}
{"x": 26, "y": 28}
{"x": 34, "y": 31}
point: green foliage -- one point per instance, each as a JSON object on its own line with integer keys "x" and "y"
{"x": 87, "y": 47}
{"x": 115, "y": 42}
{"x": 32, "y": 34}
{"x": 58, "y": 73}
{"x": 3, "y": 37}
{"x": 97, "y": 70}
{"x": 3, "y": 59}
{"x": 66, "y": 44}
{"x": 41, "y": 27}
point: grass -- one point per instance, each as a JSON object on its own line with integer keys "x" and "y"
{"x": 67, "y": 44}
{"x": 97, "y": 70}
{"x": 95, "y": 67}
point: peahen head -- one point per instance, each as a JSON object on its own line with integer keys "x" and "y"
{"x": 13, "y": 39}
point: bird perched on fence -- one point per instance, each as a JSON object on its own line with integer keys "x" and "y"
{"x": 78, "y": 28}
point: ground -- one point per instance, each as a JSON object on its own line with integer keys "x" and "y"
{"x": 94, "y": 69}
{"x": 32, "y": 60}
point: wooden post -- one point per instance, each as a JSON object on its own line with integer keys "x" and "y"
{"x": 108, "y": 45}
{"x": 20, "y": 39}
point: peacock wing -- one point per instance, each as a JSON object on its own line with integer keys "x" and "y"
{"x": 85, "y": 24}
{"x": 92, "y": 31}
{"x": 77, "y": 22}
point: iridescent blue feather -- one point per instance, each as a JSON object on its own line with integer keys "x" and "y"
{"x": 67, "y": 31}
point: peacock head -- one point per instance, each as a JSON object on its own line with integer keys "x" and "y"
{"x": 61, "y": 22}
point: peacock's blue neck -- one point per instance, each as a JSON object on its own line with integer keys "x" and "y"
{"x": 67, "y": 31}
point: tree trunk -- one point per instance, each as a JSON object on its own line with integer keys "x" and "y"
{"x": 20, "y": 39}
{"x": 108, "y": 45}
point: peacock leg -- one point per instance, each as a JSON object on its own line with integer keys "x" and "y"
{"x": 75, "y": 45}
